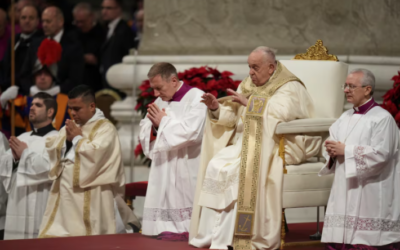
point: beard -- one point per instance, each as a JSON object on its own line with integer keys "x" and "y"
{"x": 37, "y": 118}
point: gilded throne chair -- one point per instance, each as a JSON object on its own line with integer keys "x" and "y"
{"x": 323, "y": 75}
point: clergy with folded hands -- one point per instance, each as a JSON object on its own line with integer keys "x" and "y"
{"x": 87, "y": 173}
{"x": 363, "y": 152}
{"x": 24, "y": 171}
{"x": 171, "y": 135}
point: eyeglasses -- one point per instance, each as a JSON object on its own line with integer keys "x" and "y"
{"x": 351, "y": 87}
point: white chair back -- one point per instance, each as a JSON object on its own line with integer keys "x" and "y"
{"x": 323, "y": 80}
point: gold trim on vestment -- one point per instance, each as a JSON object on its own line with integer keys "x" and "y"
{"x": 56, "y": 189}
{"x": 251, "y": 152}
{"x": 54, "y": 171}
{"x": 76, "y": 171}
{"x": 86, "y": 212}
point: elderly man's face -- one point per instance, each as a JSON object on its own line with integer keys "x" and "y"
{"x": 260, "y": 68}
{"x": 110, "y": 10}
{"x": 140, "y": 20}
{"x": 355, "y": 92}
{"x": 28, "y": 20}
{"x": 43, "y": 80}
{"x": 83, "y": 20}
{"x": 163, "y": 88}
{"x": 51, "y": 22}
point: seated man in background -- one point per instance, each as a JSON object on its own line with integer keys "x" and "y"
{"x": 29, "y": 21}
{"x": 44, "y": 82}
{"x": 24, "y": 171}
{"x": 363, "y": 152}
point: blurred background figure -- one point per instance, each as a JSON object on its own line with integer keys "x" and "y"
{"x": 92, "y": 37}
{"x": 5, "y": 33}
{"x": 29, "y": 21}
{"x": 119, "y": 39}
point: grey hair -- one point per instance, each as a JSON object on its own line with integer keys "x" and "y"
{"x": 83, "y": 6}
{"x": 368, "y": 78}
{"x": 269, "y": 52}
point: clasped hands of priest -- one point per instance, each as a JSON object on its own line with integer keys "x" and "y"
{"x": 72, "y": 130}
{"x": 17, "y": 147}
{"x": 334, "y": 148}
{"x": 212, "y": 103}
{"x": 155, "y": 114}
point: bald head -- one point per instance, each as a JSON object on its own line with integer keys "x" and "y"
{"x": 262, "y": 64}
{"x": 53, "y": 21}
{"x": 3, "y": 22}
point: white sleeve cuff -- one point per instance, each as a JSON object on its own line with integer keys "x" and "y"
{"x": 71, "y": 153}
{"x": 76, "y": 140}
{"x": 350, "y": 161}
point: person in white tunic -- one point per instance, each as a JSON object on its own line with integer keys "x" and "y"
{"x": 238, "y": 198}
{"x": 24, "y": 171}
{"x": 171, "y": 136}
{"x": 363, "y": 152}
{"x": 3, "y": 194}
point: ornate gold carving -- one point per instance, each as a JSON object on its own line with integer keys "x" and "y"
{"x": 109, "y": 92}
{"x": 283, "y": 231}
{"x": 317, "y": 52}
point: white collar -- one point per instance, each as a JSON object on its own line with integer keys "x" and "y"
{"x": 180, "y": 86}
{"x": 97, "y": 116}
{"x": 356, "y": 108}
{"x": 114, "y": 23}
{"x": 57, "y": 37}
{"x": 26, "y": 36}
{"x": 34, "y": 90}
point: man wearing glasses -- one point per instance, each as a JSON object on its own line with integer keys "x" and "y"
{"x": 363, "y": 153}
{"x": 119, "y": 40}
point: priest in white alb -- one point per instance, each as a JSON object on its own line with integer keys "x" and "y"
{"x": 87, "y": 173}
{"x": 24, "y": 171}
{"x": 4, "y": 146}
{"x": 171, "y": 136}
{"x": 363, "y": 152}
{"x": 238, "y": 198}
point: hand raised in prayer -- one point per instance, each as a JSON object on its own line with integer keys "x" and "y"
{"x": 335, "y": 148}
{"x": 155, "y": 114}
{"x": 210, "y": 101}
{"x": 72, "y": 130}
{"x": 239, "y": 98}
{"x": 17, "y": 147}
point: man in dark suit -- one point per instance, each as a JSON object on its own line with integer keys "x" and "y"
{"x": 69, "y": 69}
{"x": 29, "y": 21}
{"x": 92, "y": 37}
{"x": 120, "y": 37}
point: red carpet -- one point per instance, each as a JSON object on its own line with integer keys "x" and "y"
{"x": 298, "y": 232}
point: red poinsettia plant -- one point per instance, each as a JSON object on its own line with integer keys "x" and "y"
{"x": 208, "y": 79}
{"x": 391, "y": 100}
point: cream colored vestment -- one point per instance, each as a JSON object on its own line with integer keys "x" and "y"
{"x": 89, "y": 182}
{"x": 214, "y": 211}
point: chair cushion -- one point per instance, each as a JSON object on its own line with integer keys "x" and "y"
{"x": 136, "y": 188}
{"x": 310, "y": 125}
{"x": 302, "y": 187}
